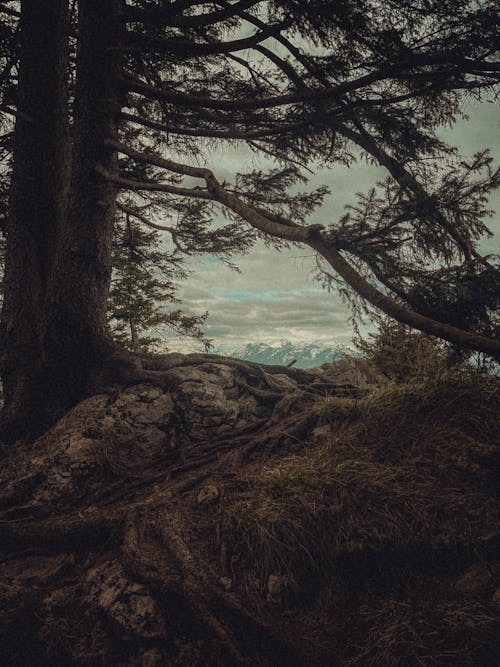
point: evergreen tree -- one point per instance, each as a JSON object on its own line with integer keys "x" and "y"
{"x": 143, "y": 289}
{"x": 157, "y": 83}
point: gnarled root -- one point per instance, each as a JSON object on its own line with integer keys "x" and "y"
{"x": 157, "y": 553}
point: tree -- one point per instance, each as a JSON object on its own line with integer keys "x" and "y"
{"x": 403, "y": 354}
{"x": 325, "y": 83}
{"x": 142, "y": 284}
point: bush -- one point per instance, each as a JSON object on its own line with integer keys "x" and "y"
{"x": 403, "y": 354}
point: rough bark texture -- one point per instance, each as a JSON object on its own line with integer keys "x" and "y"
{"x": 82, "y": 269}
{"x": 62, "y": 213}
{"x": 37, "y": 206}
{"x": 117, "y": 548}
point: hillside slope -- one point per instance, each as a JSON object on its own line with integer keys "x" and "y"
{"x": 262, "y": 517}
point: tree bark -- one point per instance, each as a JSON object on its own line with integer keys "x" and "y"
{"x": 37, "y": 207}
{"x": 77, "y": 330}
{"x": 61, "y": 215}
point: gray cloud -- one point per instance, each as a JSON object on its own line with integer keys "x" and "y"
{"x": 275, "y": 296}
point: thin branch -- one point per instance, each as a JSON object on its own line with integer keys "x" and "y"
{"x": 303, "y": 60}
{"x": 164, "y": 228}
{"x": 168, "y": 17}
{"x": 130, "y": 184}
{"x": 278, "y": 156}
{"x": 283, "y": 65}
{"x": 256, "y": 76}
{"x": 218, "y": 134}
{"x": 395, "y": 71}
{"x": 189, "y": 48}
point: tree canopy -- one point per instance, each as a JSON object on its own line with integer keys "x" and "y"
{"x": 118, "y": 104}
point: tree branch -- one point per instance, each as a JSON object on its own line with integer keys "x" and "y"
{"x": 168, "y": 17}
{"x": 208, "y": 133}
{"x": 398, "y": 311}
{"x": 405, "y": 179}
{"x": 394, "y": 71}
{"x": 312, "y": 237}
{"x": 130, "y": 184}
{"x": 163, "y": 228}
{"x": 292, "y": 232}
{"x": 147, "y": 43}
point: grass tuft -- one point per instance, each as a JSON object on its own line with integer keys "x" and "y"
{"x": 408, "y": 475}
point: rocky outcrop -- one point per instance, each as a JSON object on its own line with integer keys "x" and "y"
{"x": 102, "y": 559}
{"x": 116, "y": 548}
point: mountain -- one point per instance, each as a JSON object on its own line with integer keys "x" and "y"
{"x": 307, "y": 355}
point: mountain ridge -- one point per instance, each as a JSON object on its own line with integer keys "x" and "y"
{"x": 306, "y": 355}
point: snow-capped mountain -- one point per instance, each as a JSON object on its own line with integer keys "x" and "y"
{"x": 307, "y": 355}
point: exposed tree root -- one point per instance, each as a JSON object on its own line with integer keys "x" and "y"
{"x": 164, "y": 561}
{"x": 111, "y": 522}
{"x": 89, "y": 527}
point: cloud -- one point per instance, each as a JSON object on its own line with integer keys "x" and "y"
{"x": 275, "y": 295}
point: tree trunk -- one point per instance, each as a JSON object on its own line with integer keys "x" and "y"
{"x": 37, "y": 206}
{"x": 54, "y": 319}
{"x": 77, "y": 332}
{"x": 134, "y": 336}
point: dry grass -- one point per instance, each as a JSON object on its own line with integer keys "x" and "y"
{"x": 450, "y": 633}
{"x": 409, "y": 470}
{"x": 407, "y": 465}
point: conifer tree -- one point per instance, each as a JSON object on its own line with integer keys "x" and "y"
{"x": 118, "y": 103}
{"x": 143, "y": 291}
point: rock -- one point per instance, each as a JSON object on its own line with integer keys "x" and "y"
{"x": 117, "y": 552}
{"x": 207, "y": 397}
{"x": 283, "y": 382}
{"x": 280, "y": 589}
{"x": 208, "y": 494}
{"x": 226, "y": 583}
{"x": 355, "y": 372}
{"x": 108, "y": 437}
{"x": 152, "y": 658}
{"x": 321, "y": 434}
{"x": 126, "y": 602}
{"x": 275, "y": 585}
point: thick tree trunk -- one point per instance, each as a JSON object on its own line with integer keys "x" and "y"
{"x": 61, "y": 216}
{"x": 77, "y": 332}
{"x": 37, "y": 205}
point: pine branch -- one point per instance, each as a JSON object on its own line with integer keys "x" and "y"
{"x": 130, "y": 184}
{"x": 291, "y": 232}
{"x": 169, "y": 16}
{"x": 189, "y": 48}
{"x": 313, "y": 238}
{"x": 209, "y": 133}
{"x": 146, "y": 221}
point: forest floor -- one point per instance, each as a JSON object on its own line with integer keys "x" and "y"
{"x": 260, "y": 517}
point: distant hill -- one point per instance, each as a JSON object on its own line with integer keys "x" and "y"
{"x": 308, "y": 355}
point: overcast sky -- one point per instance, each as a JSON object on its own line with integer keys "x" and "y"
{"x": 275, "y": 296}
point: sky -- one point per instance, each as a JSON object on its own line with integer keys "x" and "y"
{"x": 275, "y": 295}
